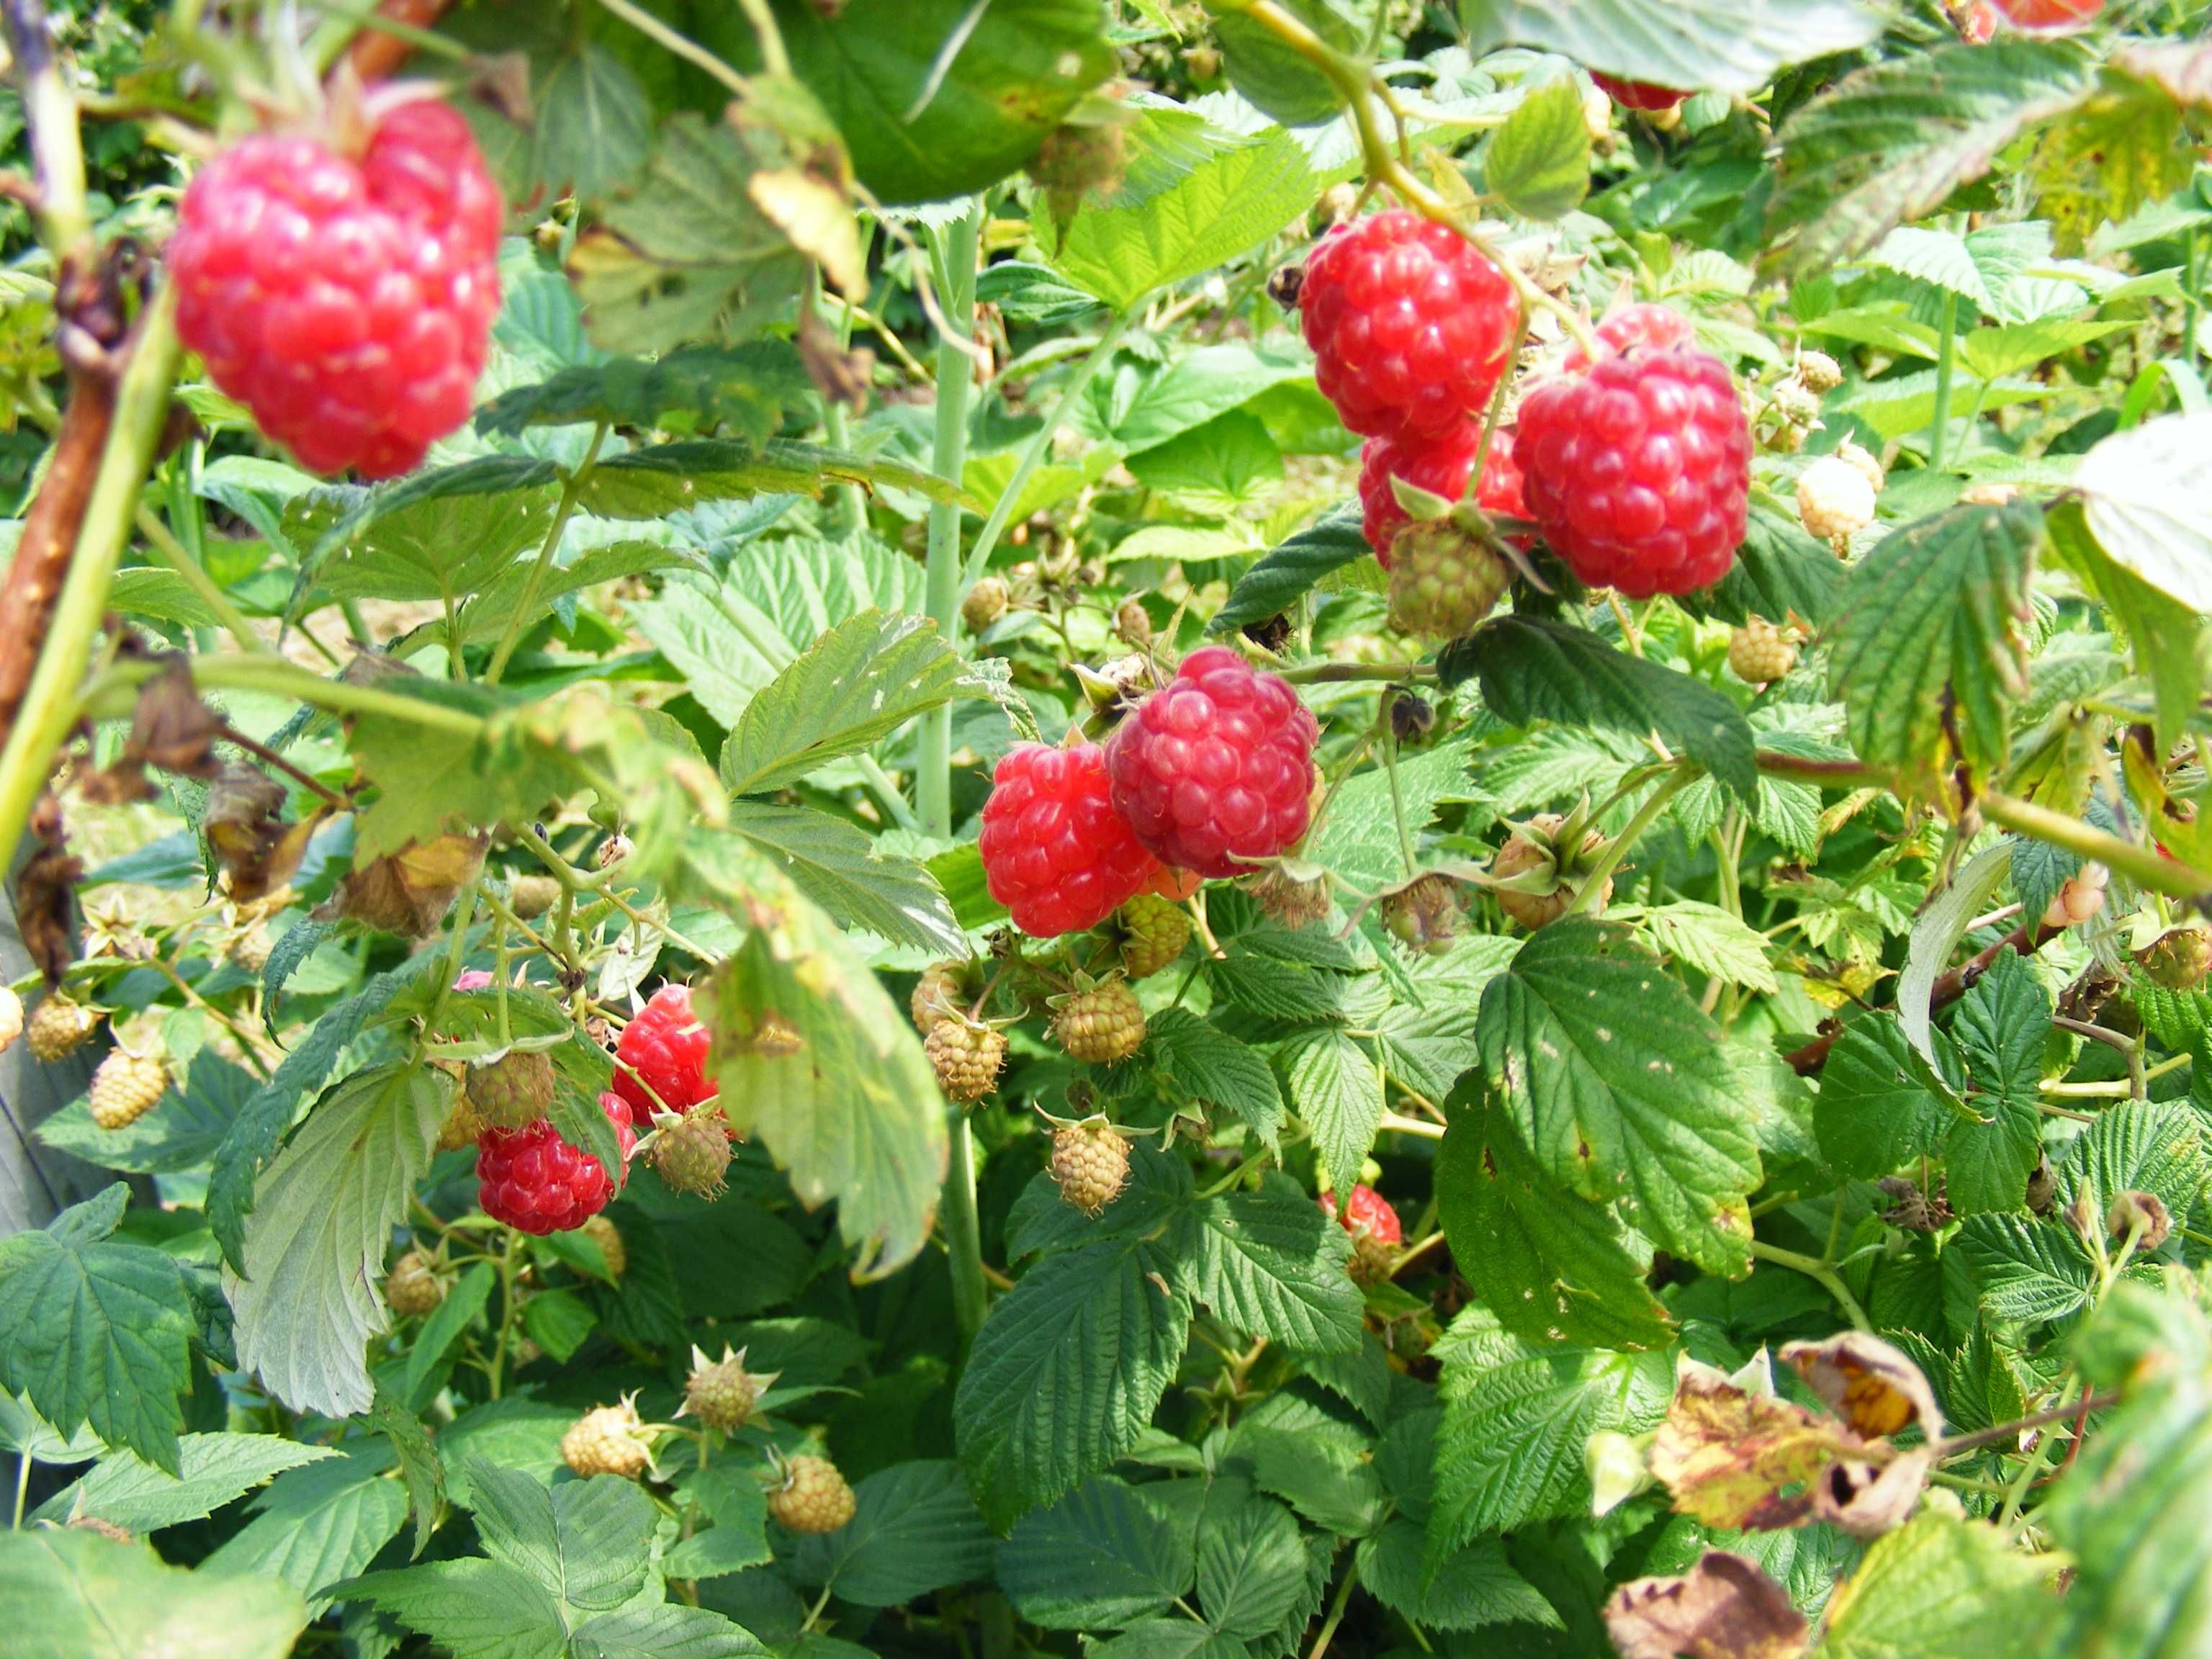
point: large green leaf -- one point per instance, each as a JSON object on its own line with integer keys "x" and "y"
{"x": 941, "y": 98}
{"x": 1251, "y": 1566}
{"x": 836, "y": 865}
{"x": 1722, "y": 44}
{"x": 2148, "y": 497}
{"x": 861, "y": 682}
{"x": 1100, "y": 1556}
{"x": 1929, "y": 651}
{"x": 1516, "y": 1420}
{"x": 1538, "y": 163}
{"x": 1533, "y": 669}
{"x": 1286, "y": 576}
{"x": 70, "y": 1594}
{"x": 1622, "y": 1089}
{"x": 214, "y": 1469}
{"x": 1272, "y": 1264}
{"x": 2001, "y": 1028}
{"x": 1196, "y": 197}
{"x": 1066, "y": 1371}
{"x": 92, "y": 1330}
{"x": 307, "y": 1301}
{"x": 1552, "y": 1267}
{"x": 2026, "y": 1270}
{"x": 747, "y": 390}
{"x": 1336, "y": 1089}
{"x": 584, "y": 1541}
{"x": 2162, "y": 632}
{"x": 1200, "y": 1063}
{"x": 473, "y": 1608}
{"x": 1939, "y": 1586}
{"x": 816, "y": 1062}
{"x": 653, "y": 482}
{"x": 1475, "y": 1585}
{"x": 1891, "y": 142}
{"x": 915, "y": 1530}
{"x": 1880, "y": 1103}
{"x": 318, "y": 1525}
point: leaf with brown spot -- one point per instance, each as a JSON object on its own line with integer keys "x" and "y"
{"x": 1733, "y": 1458}
{"x": 1867, "y": 1499}
{"x": 1724, "y": 1608}
{"x": 1868, "y": 1382}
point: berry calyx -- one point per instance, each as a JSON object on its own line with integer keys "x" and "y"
{"x": 59, "y": 1027}
{"x": 1534, "y": 850}
{"x": 1101, "y": 1026}
{"x": 1376, "y": 1233}
{"x": 1292, "y": 902}
{"x": 1410, "y": 327}
{"x": 721, "y": 1393}
{"x": 1153, "y": 934}
{"x": 608, "y": 1236}
{"x": 966, "y": 1057}
{"x": 691, "y": 1154}
{"x": 662, "y": 1059}
{"x": 1835, "y": 501}
{"x": 512, "y": 1089}
{"x": 535, "y": 1182}
{"x": 1638, "y": 466}
{"x": 1056, "y": 852}
{"x": 813, "y": 1497}
{"x": 347, "y": 301}
{"x": 1089, "y": 1164}
{"x": 126, "y": 1087}
{"x": 2179, "y": 960}
{"x": 1638, "y": 95}
{"x": 1427, "y": 914}
{"x": 1441, "y": 466}
{"x": 1759, "y": 652}
{"x": 413, "y": 1287}
{"x": 1214, "y": 770}
{"x": 609, "y": 1440}
{"x": 2080, "y": 897}
{"x": 1444, "y": 581}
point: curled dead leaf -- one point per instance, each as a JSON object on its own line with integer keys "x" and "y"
{"x": 407, "y": 892}
{"x": 1724, "y": 1608}
{"x": 1736, "y": 1456}
{"x": 1867, "y": 1499}
{"x": 1869, "y": 1383}
{"x": 44, "y": 886}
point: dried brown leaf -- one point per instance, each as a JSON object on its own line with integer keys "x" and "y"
{"x": 1724, "y": 1608}
{"x": 1870, "y": 1384}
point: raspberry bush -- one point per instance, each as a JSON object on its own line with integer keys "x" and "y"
{"x": 747, "y": 749}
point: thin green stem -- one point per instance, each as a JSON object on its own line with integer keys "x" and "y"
{"x": 274, "y": 676}
{"x": 2194, "y": 308}
{"x": 1610, "y": 860}
{"x": 178, "y": 557}
{"x": 682, "y": 46}
{"x": 1946, "y": 364}
{"x": 50, "y": 113}
{"x": 1820, "y": 1273}
{"x": 956, "y": 250}
{"x": 508, "y": 1265}
{"x": 1397, "y": 799}
{"x": 987, "y": 537}
{"x": 2141, "y": 864}
{"x": 525, "y": 609}
{"x": 22, "y": 1485}
{"x": 50, "y": 704}
{"x": 963, "y": 1234}
{"x": 1335, "y": 1611}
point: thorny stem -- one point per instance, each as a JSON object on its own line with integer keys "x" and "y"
{"x": 1335, "y": 1611}
{"x": 1946, "y": 363}
{"x": 1953, "y": 1445}
{"x": 957, "y": 247}
{"x": 1819, "y": 1273}
{"x": 525, "y": 608}
{"x": 963, "y": 1234}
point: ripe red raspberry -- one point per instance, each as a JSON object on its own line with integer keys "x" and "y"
{"x": 473, "y": 979}
{"x": 1638, "y": 328}
{"x": 665, "y": 1049}
{"x": 1409, "y": 325}
{"x": 1638, "y": 95}
{"x": 1367, "y": 1208}
{"x": 346, "y": 301}
{"x": 1639, "y": 467}
{"x": 2048, "y": 14}
{"x": 1055, "y": 853}
{"x": 534, "y": 1181}
{"x": 1439, "y": 465}
{"x": 1215, "y": 769}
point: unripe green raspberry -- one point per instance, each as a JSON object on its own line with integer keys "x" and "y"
{"x": 605, "y": 1234}
{"x": 2180, "y": 960}
{"x": 462, "y": 1127}
{"x": 413, "y": 1287}
{"x": 941, "y": 993}
{"x": 125, "y": 1088}
{"x": 966, "y": 1057}
{"x": 1443, "y": 582}
{"x": 1427, "y": 915}
{"x": 691, "y": 1154}
{"x": 531, "y": 896}
{"x": 59, "y": 1027}
{"x": 721, "y": 1393}
{"x": 608, "y": 1440}
{"x": 985, "y": 604}
{"x": 1091, "y": 1163}
{"x": 1759, "y": 652}
{"x": 1819, "y": 370}
{"x": 1102, "y": 1025}
{"x": 1532, "y": 848}
{"x": 513, "y": 1091}
{"x": 813, "y": 1497}
{"x": 1153, "y": 934}
{"x": 1834, "y": 500}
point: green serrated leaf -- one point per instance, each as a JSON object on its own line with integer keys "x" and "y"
{"x": 1927, "y": 649}
{"x": 664, "y": 478}
{"x": 1475, "y": 1585}
{"x": 1336, "y": 1089}
{"x": 915, "y": 1530}
{"x": 1284, "y": 576}
{"x": 317, "y": 1525}
{"x": 1938, "y": 1586}
{"x": 835, "y": 864}
{"x": 1251, "y": 1566}
{"x": 1880, "y": 1103}
{"x": 67, "y": 1594}
{"x": 96, "y": 1331}
{"x": 181, "y": 1133}
{"x": 2026, "y": 1270}
{"x": 1538, "y": 163}
{"x": 214, "y": 1469}
{"x": 1621, "y": 1089}
{"x": 1201, "y": 1064}
{"x": 307, "y": 1301}
{"x": 1272, "y": 1264}
{"x": 1721, "y": 44}
{"x": 474, "y": 1608}
{"x": 1102, "y": 1556}
{"x": 748, "y": 390}
{"x": 2000, "y": 1029}
{"x": 1532, "y": 669}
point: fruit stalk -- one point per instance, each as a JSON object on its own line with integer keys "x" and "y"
{"x": 963, "y": 1234}
{"x": 954, "y": 249}
{"x": 1946, "y": 362}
